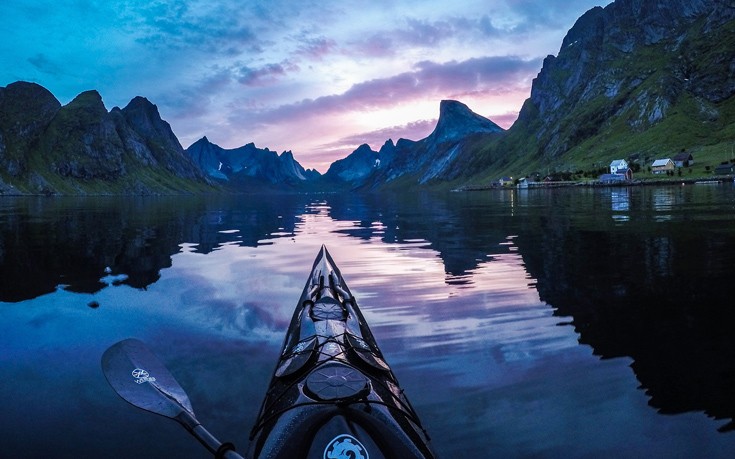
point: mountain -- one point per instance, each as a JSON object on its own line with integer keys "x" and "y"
{"x": 26, "y": 109}
{"x": 638, "y": 79}
{"x": 81, "y": 148}
{"x": 438, "y": 157}
{"x": 357, "y": 166}
{"x": 249, "y": 167}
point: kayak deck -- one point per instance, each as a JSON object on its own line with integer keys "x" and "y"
{"x": 332, "y": 395}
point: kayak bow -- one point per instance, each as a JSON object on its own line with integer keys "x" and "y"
{"x": 332, "y": 395}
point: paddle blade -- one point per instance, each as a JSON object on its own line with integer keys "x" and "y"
{"x": 141, "y": 379}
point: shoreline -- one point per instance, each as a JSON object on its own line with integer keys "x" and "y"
{"x": 598, "y": 184}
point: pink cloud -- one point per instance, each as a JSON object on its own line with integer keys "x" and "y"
{"x": 316, "y": 48}
{"x": 415, "y": 130}
{"x": 505, "y": 120}
{"x": 429, "y": 80}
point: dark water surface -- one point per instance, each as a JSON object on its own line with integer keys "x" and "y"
{"x": 538, "y": 323}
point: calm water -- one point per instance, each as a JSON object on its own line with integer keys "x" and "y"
{"x": 557, "y": 323}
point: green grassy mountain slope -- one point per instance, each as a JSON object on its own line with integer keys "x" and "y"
{"x": 81, "y": 148}
{"x": 639, "y": 80}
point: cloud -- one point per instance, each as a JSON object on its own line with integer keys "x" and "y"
{"x": 415, "y": 130}
{"x": 462, "y": 31}
{"x": 505, "y": 120}
{"x": 537, "y": 14}
{"x": 194, "y": 101}
{"x": 219, "y": 28}
{"x": 418, "y": 33}
{"x": 428, "y": 80}
{"x": 425, "y": 33}
{"x": 266, "y": 74}
{"x": 315, "y": 48}
{"x": 44, "y": 64}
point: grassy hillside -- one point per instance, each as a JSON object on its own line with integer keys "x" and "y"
{"x": 652, "y": 103}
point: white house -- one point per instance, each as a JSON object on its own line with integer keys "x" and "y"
{"x": 619, "y": 166}
{"x": 525, "y": 182}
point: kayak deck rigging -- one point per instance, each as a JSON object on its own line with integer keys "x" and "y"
{"x": 332, "y": 381}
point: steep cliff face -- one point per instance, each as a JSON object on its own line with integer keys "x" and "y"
{"x": 82, "y": 141}
{"x": 82, "y": 148}
{"x": 457, "y": 121}
{"x": 26, "y": 109}
{"x": 635, "y": 61}
{"x": 158, "y": 139}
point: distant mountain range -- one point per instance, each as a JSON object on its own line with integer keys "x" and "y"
{"x": 431, "y": 159}
{"x": 637, "y": 79}
{"x": 249, "y": 167}
{"x": 438, "y": 157}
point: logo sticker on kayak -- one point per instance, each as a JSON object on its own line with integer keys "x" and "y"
{"x": 345, "y": 447}
{"x": 142, "y": 376}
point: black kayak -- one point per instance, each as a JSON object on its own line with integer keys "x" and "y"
{"x": 332, "y": 395}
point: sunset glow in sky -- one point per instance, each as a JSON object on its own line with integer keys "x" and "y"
{"x": 315, "y": 77}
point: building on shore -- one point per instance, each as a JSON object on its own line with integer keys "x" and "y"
{"x": 663, "y": 166}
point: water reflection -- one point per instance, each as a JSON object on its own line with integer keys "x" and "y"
{"x": 465, "y": 293}
{"x": 664, "y": 200}
{"x": 620, "y": 203}
{"x": 658, "y": 296}
{"x": 45, "y": 243}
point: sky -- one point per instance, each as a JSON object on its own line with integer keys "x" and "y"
{"x": 318, "y": 78}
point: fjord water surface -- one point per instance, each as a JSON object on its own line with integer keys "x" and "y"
{"x": 536, "y": 323}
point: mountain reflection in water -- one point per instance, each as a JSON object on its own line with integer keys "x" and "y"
{"x": 464, "y": 293}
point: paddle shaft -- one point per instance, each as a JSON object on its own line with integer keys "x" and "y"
{"x": 216, "y": 447}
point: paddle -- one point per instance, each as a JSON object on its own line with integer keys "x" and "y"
{"x": 141, "y": 379}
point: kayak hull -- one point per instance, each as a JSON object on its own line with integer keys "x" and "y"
{"x": 332, "y": 394}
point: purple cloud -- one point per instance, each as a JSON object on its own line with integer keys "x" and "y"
{"x": 424, "y": 34}
{"x": 416, "y": 33}
{"x": 430, "y": 79}
{"x": 264, "y": 75}
{"x": 415, "y": 130}
{"x": 315, "y": 48}
{"x": 505, "y": 120}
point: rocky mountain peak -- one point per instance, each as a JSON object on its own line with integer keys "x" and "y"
{"x": 26, "y": 109}
{"x": 457, "y": 121}
{"x": 364, "y": 149}
{"x": 88, "y": 101}
{"x": 204, "y": 141}
{"x": 27, "y": 97}
{"x": 357, "y": 166}
{"x": 144, "y": 117}
{"x": 387, "y": 151}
